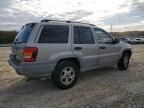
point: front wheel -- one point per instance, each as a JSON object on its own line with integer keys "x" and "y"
{"x": 65, "y": 74}
{"x": 124, "y": 61}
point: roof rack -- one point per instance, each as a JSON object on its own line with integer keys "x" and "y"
{"x": 47, "y": 20}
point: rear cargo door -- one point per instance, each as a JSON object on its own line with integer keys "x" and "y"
{"x": 20, "y": 41}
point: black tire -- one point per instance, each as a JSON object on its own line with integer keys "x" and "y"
{"x": 60, "y": 77}
{"x": 124, "y": 61}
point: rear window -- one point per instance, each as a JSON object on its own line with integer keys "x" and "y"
{"x": 54, "y": 34}
{"x": 24, "y": 34}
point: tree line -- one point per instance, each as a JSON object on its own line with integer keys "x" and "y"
{"x": 7, "y": 37}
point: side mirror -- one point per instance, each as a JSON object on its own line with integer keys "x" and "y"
{"x": 116, "y": 40}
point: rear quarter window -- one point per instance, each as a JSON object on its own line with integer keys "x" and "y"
{"x": 54, "y": 34}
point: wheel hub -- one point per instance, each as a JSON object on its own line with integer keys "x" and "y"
{"x": 67, "y": 75}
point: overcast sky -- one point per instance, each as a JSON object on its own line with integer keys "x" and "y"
{"x": 124, "y": 15}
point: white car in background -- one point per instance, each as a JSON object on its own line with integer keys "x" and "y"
{"x": 131, "y": 40}
{"x": 138, "y": 40}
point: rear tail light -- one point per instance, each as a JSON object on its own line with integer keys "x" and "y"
{"x": 30, "y": 54}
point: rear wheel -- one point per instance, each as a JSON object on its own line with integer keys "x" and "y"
{"x": 124, "y": 61}
{"x": 65, "y": 74}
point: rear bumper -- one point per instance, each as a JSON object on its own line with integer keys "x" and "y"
{"x": 36, "y": 69}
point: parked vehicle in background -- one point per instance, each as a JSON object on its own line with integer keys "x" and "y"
{"x": 127, "y": 40}
{"x": 62, "y": 49}
{"x": 133, "y": 40}
{"x": 139, "y": 40}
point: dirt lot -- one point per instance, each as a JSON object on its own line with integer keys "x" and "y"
{"x": 102, "y": 88}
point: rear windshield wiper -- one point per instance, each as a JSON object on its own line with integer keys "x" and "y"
{"x": 16, "y": 41}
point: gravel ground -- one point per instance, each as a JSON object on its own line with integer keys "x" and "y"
{"x": 100, "y": 88}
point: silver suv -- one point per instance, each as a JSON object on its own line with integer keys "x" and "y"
{"x": 62, "y": 49}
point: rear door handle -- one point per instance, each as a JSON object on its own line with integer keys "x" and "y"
{"x": 102, "y": 47}
{"x": 77, "y": 48}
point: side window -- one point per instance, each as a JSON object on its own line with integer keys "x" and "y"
{"x": 76, "y": 35}
{"x": 83, "y": 35}
{"x": 102, "y": 36}
{"x": 54, "y": 34}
